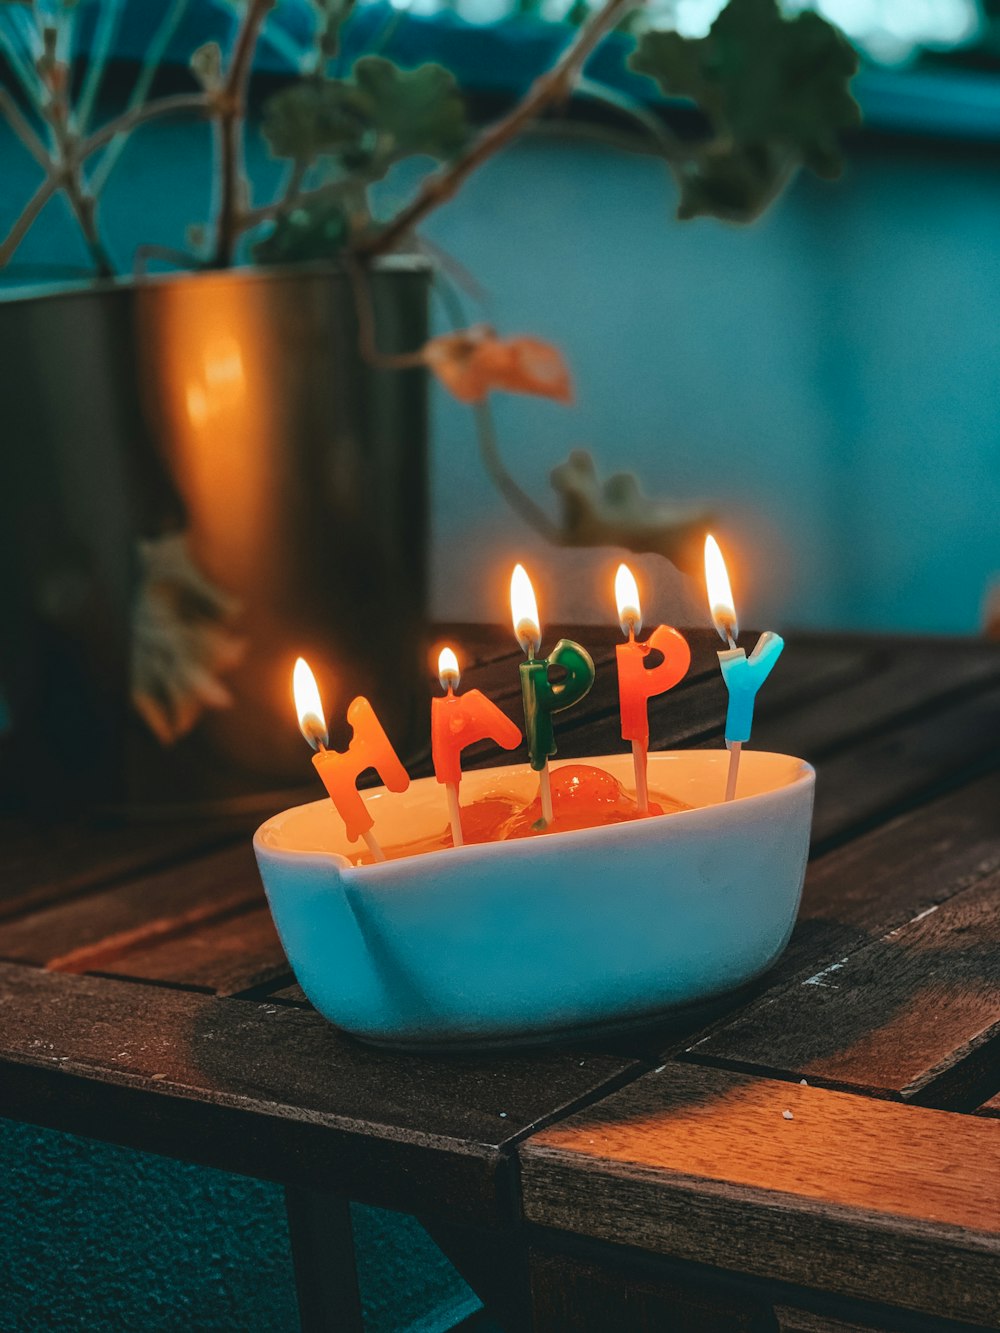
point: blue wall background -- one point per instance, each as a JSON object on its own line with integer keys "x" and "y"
{"x": 825, "y": 377}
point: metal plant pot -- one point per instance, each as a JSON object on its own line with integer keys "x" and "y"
{"x": 201, "y": 480}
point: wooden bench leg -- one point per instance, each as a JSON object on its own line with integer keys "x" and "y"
{"x": 572, "y": 1295}
{"x": 326, "y": 1278}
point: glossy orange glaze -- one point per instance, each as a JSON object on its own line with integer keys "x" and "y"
{"x": 582, "y": 797}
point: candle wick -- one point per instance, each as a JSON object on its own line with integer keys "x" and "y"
{"x": 321, "y": 747}
{"x": 732, "y": 641}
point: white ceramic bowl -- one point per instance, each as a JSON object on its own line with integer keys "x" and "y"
{"x": 519, "y": 940}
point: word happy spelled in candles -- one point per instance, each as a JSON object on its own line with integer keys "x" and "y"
{"x": 459, "y": 720}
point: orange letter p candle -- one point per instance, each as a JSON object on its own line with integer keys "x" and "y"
{"x": 637, "y": 684}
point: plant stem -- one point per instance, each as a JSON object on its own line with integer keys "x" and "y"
{"x": 108, "y": 16}
{"x": 27, "y": 216}
{"x": 65, "y": 174}
{"x": 365, "y": 311}
{"x": 150, "y": 64}
{"x": 84, "y": 207}
{"x": 230, "y": 128}
{"x": 200, "y": 103}
{"x": 486, "y": 437}
{"x": 21, "y": 126}
{"x": 519, "y": 500}
{"x": 551, "y": 87}
{"x": 81, "y": 201}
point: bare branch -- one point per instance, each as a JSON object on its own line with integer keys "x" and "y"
{"x": 233, "y": 102}
{"x": 21, "y": 126}
{"x": 367, "y": 343}
{"x": 197, "y": 103}
{"x": 550, "y": 88}
{"x": 28, "y": 215}
{"x": 137, "y": 98}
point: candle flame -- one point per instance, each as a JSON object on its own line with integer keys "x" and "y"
{"x": 524, "y": 611}
{"x": 720, "y": 594}
{"x": 627, "y": 601}
{"x": 448, "y": 671}
{"x": 308, "y": 705}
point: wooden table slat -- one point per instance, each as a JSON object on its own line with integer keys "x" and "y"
{"x": 852, "y": 1205}
{"x": 42, "y": 864}
{"x": 861, "y": 891}
{"x": 903, "y": 765}
{"x": 87, "y": 933}
{"x": 896, "y": 682}
{"x": 235, "y": 953}
{"x": 871, "y": 1199}
{"x": 275, "y": 1091}
{"x": 914, "y": 1015}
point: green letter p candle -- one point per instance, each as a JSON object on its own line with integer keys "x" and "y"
{"x": 541, "y": 696}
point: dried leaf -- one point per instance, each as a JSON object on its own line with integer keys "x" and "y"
{"x": 182, "y": 640}
{"x": 616, "y": 513}
{"x": 473, "y": 362}
{"x": 206, "y": 66}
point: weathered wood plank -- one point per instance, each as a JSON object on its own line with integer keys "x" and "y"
{"x": 287, "y": 992}
{"x": 906, "y": 763}
{"x": 275, "y": 1091}
{"x": 991, "y": 1107}
{"x": 792, "y": 1320}
{"x": 899, "y": 678}
{"x": 914, "y": 1015}
{"x": 864, "y": 889}
{"x": 86, "y": 934}
{"x": 866, "y": 1198}
{"x": 573, "y": 1295}
{"x": 41, "y": 864}
{"x": 234, "y": 953}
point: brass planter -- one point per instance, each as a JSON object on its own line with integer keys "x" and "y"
{"x": 231, "y": 415}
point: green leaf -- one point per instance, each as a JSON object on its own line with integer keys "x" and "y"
{"x": 314, "y": 117}
{"x": 305, "y": 235}
{"x": 378, "y": 115}
{"x": 735, "y": 183}
{"x": 414, "y": 110}
{"x": 774, "y": 90}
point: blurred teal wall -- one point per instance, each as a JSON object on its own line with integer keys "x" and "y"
{"x": 825, "y": 377}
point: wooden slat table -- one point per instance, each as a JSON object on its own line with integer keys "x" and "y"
{"x": 824, "y": 1156}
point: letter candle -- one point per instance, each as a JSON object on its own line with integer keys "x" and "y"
{"x": 743, "y": 675}
{"x": 542, "y": 698}
{"x": 636, "y": 683}
{"x": 369, "y": 748}
{"x": 459, "y": 720}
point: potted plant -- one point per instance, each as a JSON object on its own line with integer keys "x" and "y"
{"x": 213, "y": 470}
